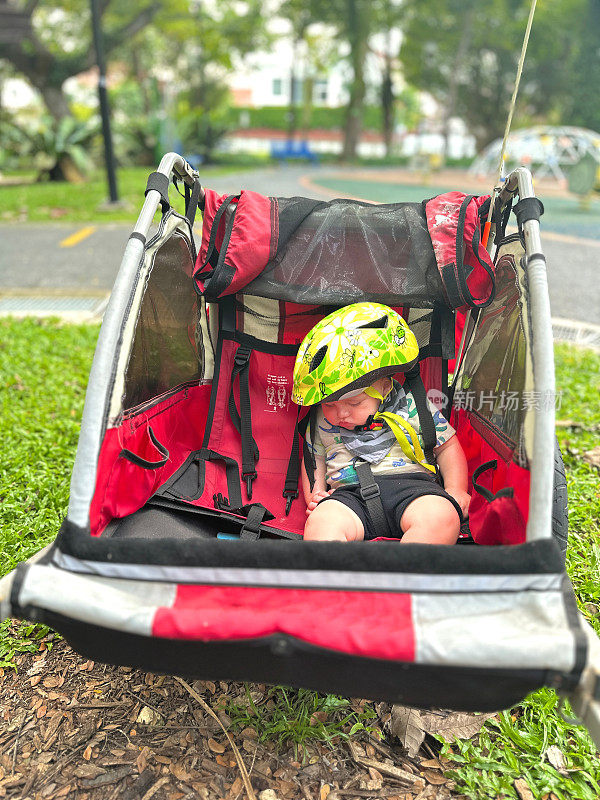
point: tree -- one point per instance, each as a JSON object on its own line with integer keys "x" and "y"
{"x": 357, "y": 24}
{"x": 581, "y": 77}
{"x": 465, "y": 54}
{"x": 387, "y": 100}
{"x": 299, "y": 15}
{"x": 388, "y": 21}
{"x": 59, "y": 43}
{"x": 205, "y": 43}
{"x": 353, "y": 22}
{"x": 179, "y": 37}
{"x": 321, "y": 54}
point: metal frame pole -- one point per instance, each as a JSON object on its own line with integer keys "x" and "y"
{"x": 539, "y": 524}
{"x": 101, "y": 380}
{"x": 104, "y": 107}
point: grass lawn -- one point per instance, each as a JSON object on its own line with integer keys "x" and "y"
{"x": 84, "y": 202}
{"x": 513, "y": 744}
{"x": 43, "y": 374}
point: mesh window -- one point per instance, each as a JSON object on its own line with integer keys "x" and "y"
{"x": 493, "y": 379}
{"x": 419, "y": 321}
{"x": 168, "y": 346}
{"x": 258, "y": 317}
{"x": 341, "y": 252}
{"x": 274, "y": 321}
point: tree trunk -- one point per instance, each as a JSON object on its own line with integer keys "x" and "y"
{"x": 55, "y": 101}
{"x": 461, "y": 52}
{"x": 358, "y": 34}
{"x": 387, "y": 105}
{"x": 66, "y": 170}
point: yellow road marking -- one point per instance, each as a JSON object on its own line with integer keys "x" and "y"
{"x": 78, "y": 236}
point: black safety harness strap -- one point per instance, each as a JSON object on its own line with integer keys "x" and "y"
{"x": 251, "y": 527}
{"x": 242, "y": 419}
{"x": 290, "y": 487}
{"x": 369, "y": 490}
{"x": 233, "y": 480}
{"x": 414, "y": 383}
{"x": 192, "y": 195}
{"x": 370, "y": 493}
{"x": 309, "y": 422}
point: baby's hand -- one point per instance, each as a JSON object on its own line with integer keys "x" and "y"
{"x": 462, "y": 498}
{"x": 315, "y": 499}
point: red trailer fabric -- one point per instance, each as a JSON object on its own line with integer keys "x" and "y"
{"x": 371, "y": 624}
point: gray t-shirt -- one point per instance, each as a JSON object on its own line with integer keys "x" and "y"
{"x": 339, "y": 460}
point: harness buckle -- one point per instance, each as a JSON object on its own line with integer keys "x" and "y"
{"x": 249, "y": 477}
{"x": 242, "y": 356}
{"x": 290, "y": 495}
{"x": 222, "y": 503}
{"x": 369, "y": 492}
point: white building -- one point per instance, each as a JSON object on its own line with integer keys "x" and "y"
{"x": 264, "y": 79}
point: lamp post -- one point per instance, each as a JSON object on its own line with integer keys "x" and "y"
{"x": 104, "y": 109}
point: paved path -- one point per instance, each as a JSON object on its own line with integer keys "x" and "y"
{"x": 34, "y": 256}
{"x": 84, "y": 259}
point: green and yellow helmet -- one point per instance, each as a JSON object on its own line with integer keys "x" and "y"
{"x": 349, "y": 350}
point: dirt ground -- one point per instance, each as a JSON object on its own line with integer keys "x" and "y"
{"x": 71, "y": 728}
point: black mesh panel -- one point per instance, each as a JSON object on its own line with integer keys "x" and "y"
{"x": 166, "y": 352}
{"x": 345, "y": 251}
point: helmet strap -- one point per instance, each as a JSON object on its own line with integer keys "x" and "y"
{"x": 372, "y": 392}
{"x": 403, "y": 431}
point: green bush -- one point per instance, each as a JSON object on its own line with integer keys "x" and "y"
{"x": 137, "y": 124}
{"x": 277, "y": 117}
{"x": 58, "y": 150}
{"x": 201, "y": 127}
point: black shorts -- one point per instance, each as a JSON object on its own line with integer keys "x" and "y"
{"x": 397, "y": 492}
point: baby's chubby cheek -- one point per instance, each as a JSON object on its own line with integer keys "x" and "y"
{"x": 363, "y": 417}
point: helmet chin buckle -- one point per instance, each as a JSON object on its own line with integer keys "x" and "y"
{"x": 370, "y": 424}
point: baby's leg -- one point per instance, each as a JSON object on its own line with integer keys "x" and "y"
{"x": 430, "y": 519}
{"x": 333, "y": 521}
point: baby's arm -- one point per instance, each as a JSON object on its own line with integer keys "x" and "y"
{"x": 319, "y": 490}
{"x": 453, "y": 466}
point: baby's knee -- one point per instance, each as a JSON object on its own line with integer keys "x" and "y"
{"x": 445, "y": 522}
{"x": 317, "y": 528}
{"x": 332, "y": 521}
{"x": 434, "y": 517}
{"x": 449, "y": 519}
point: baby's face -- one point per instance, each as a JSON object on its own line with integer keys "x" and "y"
{"x": 350, "y": 412}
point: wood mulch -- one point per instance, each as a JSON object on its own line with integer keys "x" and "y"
{"x": 75, "y": 729}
